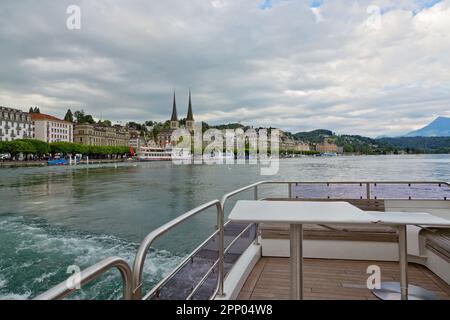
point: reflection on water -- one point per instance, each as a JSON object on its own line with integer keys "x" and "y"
{"x": 41, "y": 208}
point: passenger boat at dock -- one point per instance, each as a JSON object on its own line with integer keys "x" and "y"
{"x": 154, "y": 153}
{"x": 310, "y": 240}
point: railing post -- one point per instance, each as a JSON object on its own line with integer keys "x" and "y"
{"x": 257, "y": 224}
{"x": 368, "y": 190}
{"x": 290, "y": 190}
{"x": 220, "y": 212}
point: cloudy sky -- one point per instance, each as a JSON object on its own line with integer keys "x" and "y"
{"x": 360, "y": 67}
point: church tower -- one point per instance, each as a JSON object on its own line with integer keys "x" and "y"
{"x": 190, "y": 116}
{"x": 174, "y": 123}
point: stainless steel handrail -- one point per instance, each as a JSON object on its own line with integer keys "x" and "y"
{"x": 240, "y": 190}
{"x": 151, "y": 237}
{"x": 205, "y": 277}
{"x": 186, "y": 260}
{"x": 77, "y": 280}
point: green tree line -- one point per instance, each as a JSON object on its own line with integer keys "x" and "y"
{"x": 40, "y": 149}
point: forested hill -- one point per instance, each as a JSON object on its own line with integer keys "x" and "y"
{"x": 419, "y": 144}
{"x": 365, "y": 145}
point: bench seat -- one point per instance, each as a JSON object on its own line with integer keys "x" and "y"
{"x": 438, "y": 241}
{"x": 332, "y": 232}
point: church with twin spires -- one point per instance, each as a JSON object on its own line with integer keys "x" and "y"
{"x": 164, "y": 137}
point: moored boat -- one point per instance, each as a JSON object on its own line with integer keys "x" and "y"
{"x": 154, "y": 154}
{"x": 57, "y": 162}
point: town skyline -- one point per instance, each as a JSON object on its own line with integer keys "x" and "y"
{"x": 175, "y": 107}
{"x": 372, "y": 79}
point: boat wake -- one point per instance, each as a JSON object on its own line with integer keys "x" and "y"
{"x": 34, "y": 257}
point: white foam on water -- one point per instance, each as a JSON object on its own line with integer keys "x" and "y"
{"x": 3, "y": 281}
{"x": 44, "y": 276}
{"x": 48, "y": 245}
{"x": 13, "y": 296}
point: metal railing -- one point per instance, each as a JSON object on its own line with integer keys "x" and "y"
{"x": 221, "y": 277}
{"x": 137, "y": 274}
{"x": 77, "y": 280}
{"x": 368, "y": 186}
{"x": 150, "y": 238}
{"x": 155, "y": 290}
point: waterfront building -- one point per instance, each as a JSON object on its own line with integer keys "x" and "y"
{"x": 327, "y": 147}
{"x": 97, "y": 135}
{"x": 287, "y": 143}
{"x": 302, "y": 146}
{"x": 136, "y": 140}
{"x": 164, "y": 137}
{"x": 51, "y": 129}
{"x": 15, "y": 124}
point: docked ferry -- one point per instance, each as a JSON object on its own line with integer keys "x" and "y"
{"x": 154, "y": 154}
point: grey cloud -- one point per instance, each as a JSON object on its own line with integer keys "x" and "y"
{"x": 263, "y": 67}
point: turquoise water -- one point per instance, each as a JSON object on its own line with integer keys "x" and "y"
{"x": 51, "y": 218}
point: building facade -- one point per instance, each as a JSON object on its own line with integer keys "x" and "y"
{"x": 15, "y": 124}
{"x": 51, "y": 129}
{"x": 290, "y": 144}
{"x": 96, "y": 135}
{"x": 136, "y": 140}
{"x": 327, "y": 147}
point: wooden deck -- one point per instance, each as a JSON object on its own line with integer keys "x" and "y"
{"x": 331, "y": 279}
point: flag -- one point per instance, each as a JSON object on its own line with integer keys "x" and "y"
{"x": 132, "y": 151}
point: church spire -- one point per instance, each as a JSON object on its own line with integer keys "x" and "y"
{"x": 174, "y": 119}
{"x": 174, "y": 109}
{"x": 190, "y": 115}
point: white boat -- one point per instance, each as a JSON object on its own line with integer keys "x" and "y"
{"x": 346, "y": 234}
{"x": 154, "y": 154}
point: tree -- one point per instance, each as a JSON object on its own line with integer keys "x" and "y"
{"x": 79, "y": 116}
{"x": 88, "y": 119}
{"x": 62, "y": 147}
{"x": 105, "y": 123}
{"x": 69, "y": 116}
{"x": 82, "y": 118}
{"x": 348, "y": 148}
{"x": 41, "y": 148}
{"x": 17, "y": 147}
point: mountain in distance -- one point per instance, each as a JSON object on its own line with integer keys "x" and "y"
{"x": 440, "y": 127}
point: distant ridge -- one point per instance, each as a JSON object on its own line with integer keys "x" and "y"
{"x": 440, "y": 127}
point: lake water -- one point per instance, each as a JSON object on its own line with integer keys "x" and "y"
{"x": 51, "y": 218}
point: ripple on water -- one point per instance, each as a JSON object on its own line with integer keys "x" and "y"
{"x": 37, "y": 256}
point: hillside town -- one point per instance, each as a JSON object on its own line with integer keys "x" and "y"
{"x": 81, "y": 129}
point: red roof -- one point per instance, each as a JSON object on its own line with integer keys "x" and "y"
{"x": 41, "y": 116}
